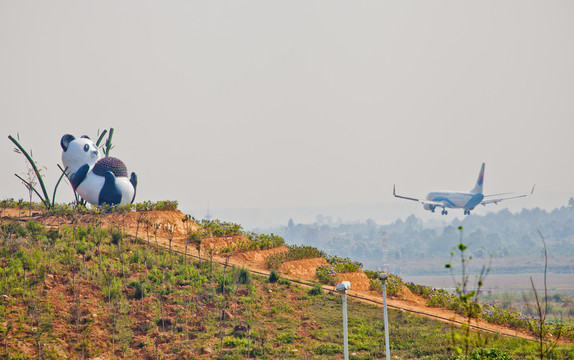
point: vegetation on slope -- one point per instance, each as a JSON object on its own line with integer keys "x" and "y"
{"x": 89, "y": 291}
{"x": 84, "y": 291}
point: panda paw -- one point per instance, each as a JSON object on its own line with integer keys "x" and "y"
{"x": 79, "y": 176}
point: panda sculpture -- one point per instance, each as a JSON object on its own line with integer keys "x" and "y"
{"x": 96, "y": 179}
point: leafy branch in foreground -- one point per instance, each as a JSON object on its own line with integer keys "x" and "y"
{"x": 467, "y": 298}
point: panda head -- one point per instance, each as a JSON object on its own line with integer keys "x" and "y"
{"x": 77, "y": 152}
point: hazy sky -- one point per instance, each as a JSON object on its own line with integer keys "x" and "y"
{"x": 250, "y": 104}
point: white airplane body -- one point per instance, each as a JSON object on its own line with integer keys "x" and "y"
{"x": 460, "y": 199}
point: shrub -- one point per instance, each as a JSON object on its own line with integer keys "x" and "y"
{"x": 327, "y": 274}
{"x": 423, "y": 290}
{"x": 303, "y": 252}
{"x": 484, "y": 354}
{"x": 244, "y": 276}
{"x": 164, "y": 205}
{"x": 141, "y": 288}
{"x": 234, "y": 342}
{"x": 219, "y": 228}
{"x": 344, "y": 265}
{"x": 263, "y": 241}
{"x": 273, "y": 277}
{"x": 317, "y": 289}
{"x": 394, "y": 283}
{"x": 273, "y": 261}
{"x": 328, "y": 349}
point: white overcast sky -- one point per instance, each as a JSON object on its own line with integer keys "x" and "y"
{"x": 254, "y": 104}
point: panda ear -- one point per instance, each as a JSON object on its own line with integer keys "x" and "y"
{"x": 86, "y": 137}
{"x": 66, "y": 140}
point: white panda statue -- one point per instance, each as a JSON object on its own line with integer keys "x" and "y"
{"x": 96, "y": 179}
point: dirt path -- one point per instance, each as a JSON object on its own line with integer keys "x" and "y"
{"x": 300, "y": 271}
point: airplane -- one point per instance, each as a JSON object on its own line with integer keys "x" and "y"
{"x": 460, "y": 199}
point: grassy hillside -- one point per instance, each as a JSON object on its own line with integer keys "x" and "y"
{"x": 85, "y": 291}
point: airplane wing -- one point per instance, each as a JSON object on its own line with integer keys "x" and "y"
{"x": 422, "y": 201}
{"x": 497, "y": 200}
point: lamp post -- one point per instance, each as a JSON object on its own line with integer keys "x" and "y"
{"x": 384, "y": 277}
{"x": 342, "y": 289}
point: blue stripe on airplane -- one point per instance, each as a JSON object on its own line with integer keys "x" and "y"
{"x": 445, "y": 200}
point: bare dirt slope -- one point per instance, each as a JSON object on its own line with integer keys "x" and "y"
{"x": 301, "y": 270}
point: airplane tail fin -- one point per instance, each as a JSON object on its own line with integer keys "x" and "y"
{"x": 479, "y": 182}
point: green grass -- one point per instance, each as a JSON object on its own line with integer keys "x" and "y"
{"x": 59, "y": 293}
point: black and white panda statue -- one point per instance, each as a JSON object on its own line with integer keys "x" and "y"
{"x": 96, "y": 179}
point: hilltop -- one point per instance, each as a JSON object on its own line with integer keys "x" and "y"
{"x": 138, "y": 291}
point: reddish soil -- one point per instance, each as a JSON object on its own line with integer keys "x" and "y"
{"x": 303, "y": 270}
{"x": 359, "y": 281}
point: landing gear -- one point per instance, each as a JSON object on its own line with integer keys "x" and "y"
{"x": 466, "y": 212}
{"x": 432, "y": 208}
{"x": 444, "y": 212}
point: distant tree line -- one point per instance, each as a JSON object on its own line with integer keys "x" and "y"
{"x": 502, "y": 235}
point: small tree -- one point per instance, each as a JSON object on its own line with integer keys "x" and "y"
{"x": 6, "y": 331}
{"x": 30, "y": 182}
{"x": 169, "y": 230}
{"x": 99, "y": 235}
{"x": 155, "y": 228}
{"x": 195, "y": 239}
{"x": 52, "y": 237}
{"x": 141, "y": 218}
{"x": 187, "y": 228}
{"x": 148, "y": 225}
{"x": 541, "y": 330}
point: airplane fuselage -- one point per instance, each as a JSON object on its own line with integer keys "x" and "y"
{"x": 454, "y": 199}
{"x": 460, "y": 199}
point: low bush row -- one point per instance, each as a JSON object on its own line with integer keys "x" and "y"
{"x": 253, "y": 240}
{"x": 293, "y": 253}
{"x": 73, "y": 208}
{"x": 491, "y": 313}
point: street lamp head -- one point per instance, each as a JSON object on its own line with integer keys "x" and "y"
{"x": 343, "y": 287}
{"x": 383, "y": 276}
